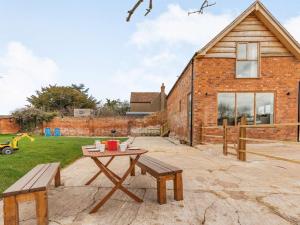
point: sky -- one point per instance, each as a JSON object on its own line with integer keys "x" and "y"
{"x": 73, "y": 41}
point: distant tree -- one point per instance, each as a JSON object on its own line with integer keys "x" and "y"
{"x": 81, "y": 88}
{"x": 114, "y": 107}
{"x": 63, "y": 99}
{"x": 30, "y": 118}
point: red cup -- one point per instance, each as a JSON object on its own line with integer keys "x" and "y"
{"x": 112, "y": 145}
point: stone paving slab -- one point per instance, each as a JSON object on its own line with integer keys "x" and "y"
{"x": 217, "y": 190}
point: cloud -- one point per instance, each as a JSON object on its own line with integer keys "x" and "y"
{"x": 165, "y": 45}
{"x": 175, "y": 26}
{"x": 22, "y": 73}
{"x": 159, "y": 59}
{"x": 292, "y": 25}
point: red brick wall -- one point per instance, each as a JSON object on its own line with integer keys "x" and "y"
{"x": 178, "y": 119}
{"x": 71, "y": 126}
{"x": 212, "y": 75}
{"x": 8, "y": 126}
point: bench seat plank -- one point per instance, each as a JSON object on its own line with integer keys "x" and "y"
{"x": 153, "y": 167}
{"x": 163, "y": 164}
{"x": 19, "y": 184}
{"x": 156, "y": 167}
{"x": 162, "y": 172}
{"x": 36, "y": 179}
{"x": 47, "y": 177}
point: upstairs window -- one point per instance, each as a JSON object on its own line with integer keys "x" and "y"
{"x": 247, "y": 60}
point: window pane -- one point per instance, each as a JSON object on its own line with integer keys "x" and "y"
{"x": 226, "y": 108}
{"x": 242, "y": 51}
{"x": 252, "y": 51}
{"x": 246, "y": 69}
{"x": 245, "y": 107}
{"x": 264, "y": 108}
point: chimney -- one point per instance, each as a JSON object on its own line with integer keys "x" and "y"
{"x": 162, "y": 97}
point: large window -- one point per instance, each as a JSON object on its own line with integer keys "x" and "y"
{"x": 245, "y": 106}
{"x": 258, "y": 108}
{"x": 247, "y": 63}
{"x": 264, "y": 108}
{"x": 226, "y": 108}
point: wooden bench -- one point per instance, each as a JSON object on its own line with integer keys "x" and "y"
{"x": 31, "y": 187}
{"x": 162, "y": 172}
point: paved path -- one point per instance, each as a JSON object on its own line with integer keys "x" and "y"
{"x": 217, "y": 190}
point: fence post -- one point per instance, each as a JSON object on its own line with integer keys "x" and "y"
{"x": 242, "y": 141}
{"x": 225, "y": 143}
{"x": 201, "y": 133}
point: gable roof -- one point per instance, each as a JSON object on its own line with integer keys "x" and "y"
{"x": 143, "y": 97}
{"x": 269, "y": 21}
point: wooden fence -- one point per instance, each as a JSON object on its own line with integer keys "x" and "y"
{"x": 242, "y": 141}
{"x": 164, "y": 129}
{"x": 224, "y": 129}
{"x": 241, "y": 149}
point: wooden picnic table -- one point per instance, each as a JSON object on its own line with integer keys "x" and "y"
{"x": 112, "y": 176}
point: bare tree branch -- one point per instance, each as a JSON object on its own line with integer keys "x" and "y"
{"x": 130, "y": 12}
{"x": 204, "y": 5}
{"x": 150, "y": 8}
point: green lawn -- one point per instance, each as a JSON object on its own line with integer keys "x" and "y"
{"x": 43, "y": 150}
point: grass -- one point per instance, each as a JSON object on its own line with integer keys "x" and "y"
{"x": 43, "y": 150}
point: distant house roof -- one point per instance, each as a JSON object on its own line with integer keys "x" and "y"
{"x": 143, "y": 97}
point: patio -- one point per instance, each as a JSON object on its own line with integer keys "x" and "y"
{"x": 217, "y": 190}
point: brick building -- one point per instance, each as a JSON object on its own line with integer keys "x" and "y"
{"x": 251, "y": 68}
{"x": 144, "y": 103}
{"x": 8, "y": 125}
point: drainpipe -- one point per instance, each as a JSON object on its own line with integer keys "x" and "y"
{"x": 192, "y": 101}
{"x": 298, "y": 127}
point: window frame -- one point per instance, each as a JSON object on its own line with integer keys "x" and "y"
{"x": 247, "y": 60}
{"x": 254, "y": 102}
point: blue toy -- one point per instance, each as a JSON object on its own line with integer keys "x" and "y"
{"x": 57, "y": 132}
{"x": 48, "y": 132}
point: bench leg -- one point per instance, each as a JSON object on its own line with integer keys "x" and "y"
{"x": 41, "y": 200}
{"x": 11, "y": 211}
{"x": 143, "y": 172}
{"x": 57, "y": 179}
{"x": 132, "y": 173}
{"x": 161, "y": 190}
{"x": 178, "y": 187}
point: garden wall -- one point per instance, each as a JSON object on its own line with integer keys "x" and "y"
{"x": 70, "y": 126}
{"x": 8, "y": 125}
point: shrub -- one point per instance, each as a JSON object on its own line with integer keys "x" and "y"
{"x": 30, "y": 118}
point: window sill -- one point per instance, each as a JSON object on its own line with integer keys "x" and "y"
{"x": 250, "y": 78}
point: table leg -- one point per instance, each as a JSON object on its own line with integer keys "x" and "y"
{"x": 122, "y": 188}
{"x": 118, "y": 183}
{"x": 100, "y": 171}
